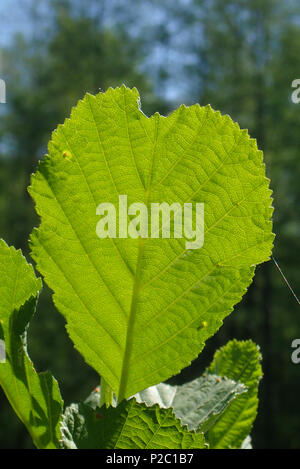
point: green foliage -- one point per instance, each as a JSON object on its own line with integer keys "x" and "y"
{"x": 133, "y": 335}
{"x": 249, "y": 80}
{"x": 239, "y": 361}
{"x": 209, "y": 404}
{"x": 35, "y": 397}
{"x": 223, "y": 402}
{"x": 140, "y": 309}
{"x": 197, "y": 403}
{"x": 221, "y": 408}
{"x": 128, "y": 426}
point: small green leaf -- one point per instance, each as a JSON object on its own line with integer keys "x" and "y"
{"x": 197, "y": 403}
{"x": 35, "y": 397}
{"x": 240, "y": 361}
{"x": 131, "y": 425}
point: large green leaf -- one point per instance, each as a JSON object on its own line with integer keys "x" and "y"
{"x": 240, "y": 361}
{"x": 35, "y": 397}
{"x": 129, "y": 426}
{"x": 139, "y": 310}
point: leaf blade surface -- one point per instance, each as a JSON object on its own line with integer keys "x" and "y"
{"x": 139, "y": 310}
{"x": 35, "y": 397}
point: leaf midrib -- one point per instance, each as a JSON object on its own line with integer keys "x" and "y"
{"x": 136, "y": 285}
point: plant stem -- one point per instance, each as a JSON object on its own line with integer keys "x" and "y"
{"x": 106, "y": 394}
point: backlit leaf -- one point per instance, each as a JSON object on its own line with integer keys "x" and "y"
{"x": 35, "y": 397}
{"x": 139, "y": 310}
